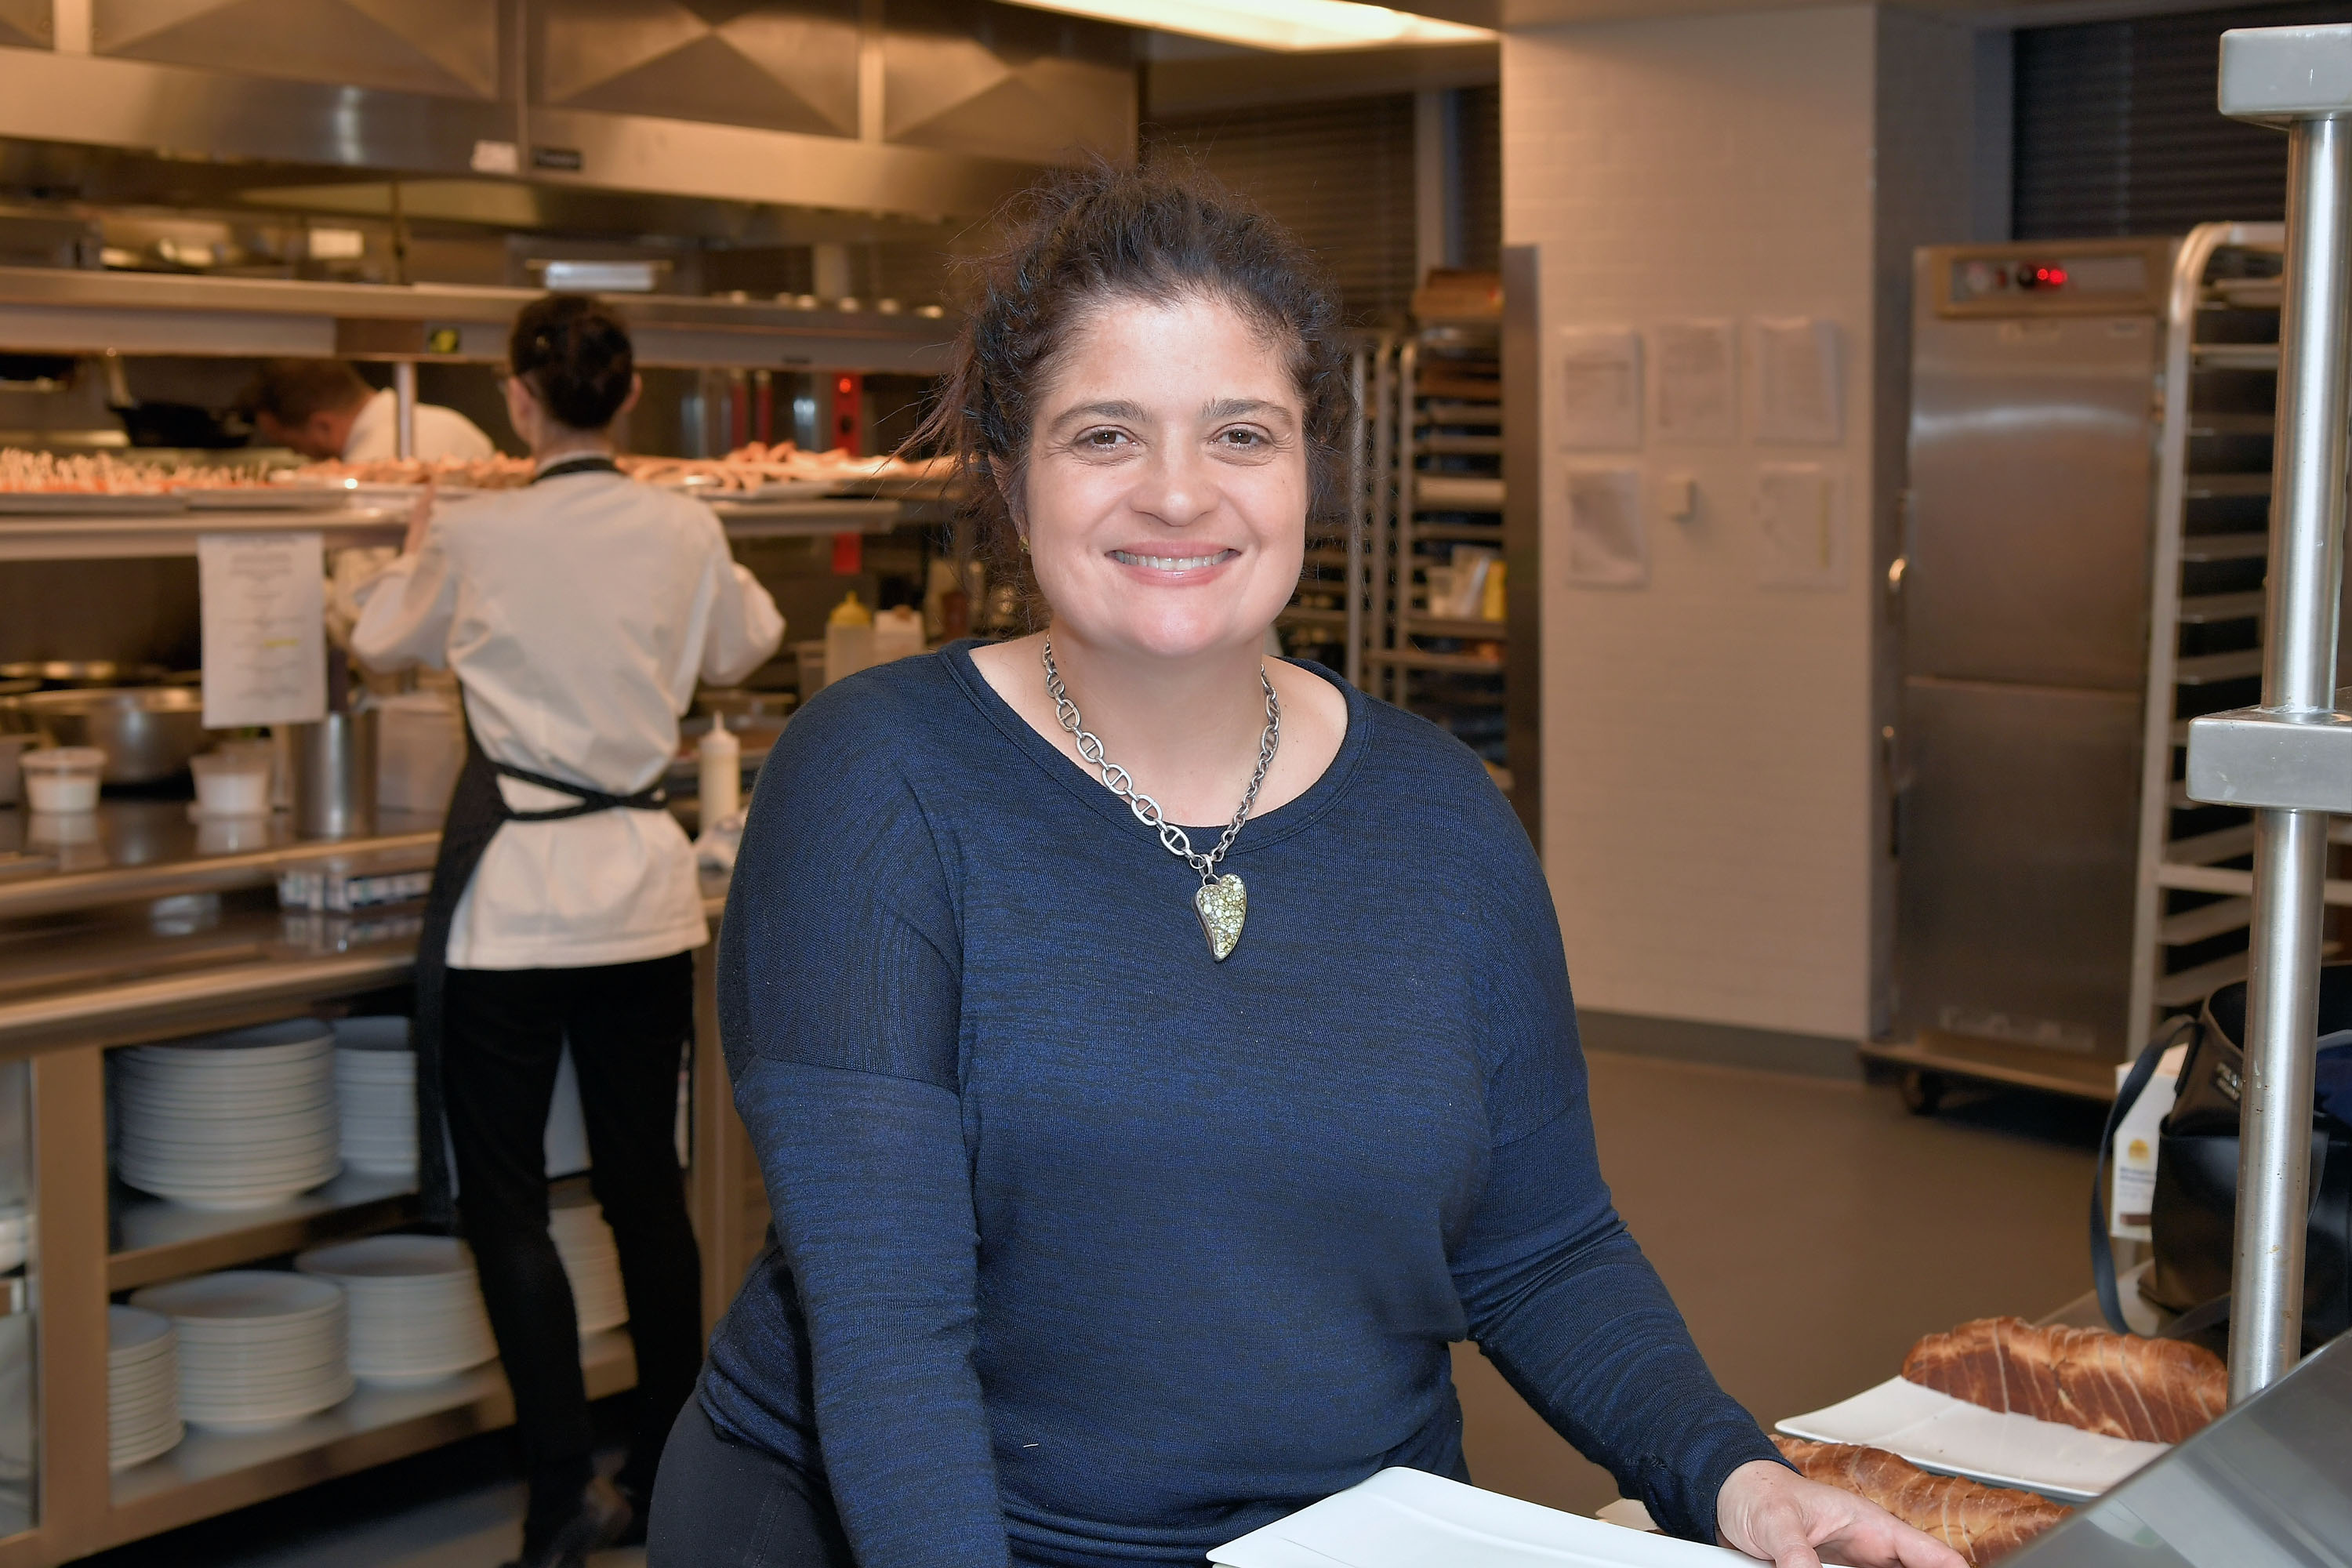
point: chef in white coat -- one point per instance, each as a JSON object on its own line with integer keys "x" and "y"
{"x": 577, "y": 614}
{"x": 321, "y": 408}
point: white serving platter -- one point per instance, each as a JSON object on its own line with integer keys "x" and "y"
{"x": 1409, "y": 1519}
{"x": 1937, "y": 1432}
{"x": 87, "y": 503}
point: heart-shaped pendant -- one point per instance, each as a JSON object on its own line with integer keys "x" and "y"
{"x": 1223, "y": 904}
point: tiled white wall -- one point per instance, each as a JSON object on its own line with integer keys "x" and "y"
{"x": 1710, "y": 769}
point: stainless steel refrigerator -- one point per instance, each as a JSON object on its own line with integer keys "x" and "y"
{"x": 2023, "y": 598}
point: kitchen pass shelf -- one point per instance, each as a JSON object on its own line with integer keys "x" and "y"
{"x": 154, "y": 1240}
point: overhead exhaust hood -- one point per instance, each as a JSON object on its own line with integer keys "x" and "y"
{"x": 914, "y": 109}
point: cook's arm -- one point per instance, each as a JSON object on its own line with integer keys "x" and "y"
{"x": 405, "y": 610}
{"x": 745, "y": 628}
{"x": 1558, "y": 1295}
{"x": 839, "y": 988}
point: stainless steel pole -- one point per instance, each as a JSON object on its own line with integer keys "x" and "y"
{"x": 403, "y": 395}
{"x": 1358, "y": 507}
{"x": 2307, "y": 512}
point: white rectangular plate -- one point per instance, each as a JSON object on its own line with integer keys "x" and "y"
{"x": 1409, "y": 1519}
{"x": 1941, "y": 1433}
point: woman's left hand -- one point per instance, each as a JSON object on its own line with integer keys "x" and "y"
{"x": 1771, "y": 1512}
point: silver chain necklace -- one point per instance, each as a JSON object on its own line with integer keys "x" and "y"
{"x": 1221, "y": 902}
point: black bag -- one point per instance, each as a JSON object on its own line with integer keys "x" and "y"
{"x": 2192, "y": 1217}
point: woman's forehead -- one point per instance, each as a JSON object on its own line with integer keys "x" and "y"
{"x": 1190, "y": 350}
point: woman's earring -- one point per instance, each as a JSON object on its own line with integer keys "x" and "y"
{"x": 1025, "y": 543}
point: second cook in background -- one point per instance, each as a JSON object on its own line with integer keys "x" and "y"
{"x": 578, "y": 614}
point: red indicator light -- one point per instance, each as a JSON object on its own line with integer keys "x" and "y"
{"x": 844, "y": 386}
{"x": 2042, "y": 278}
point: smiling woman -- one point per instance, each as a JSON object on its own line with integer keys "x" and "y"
{"x": 1096, "y": 1243}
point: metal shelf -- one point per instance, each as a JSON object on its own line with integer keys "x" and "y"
{"x": 2205, "y": 425}
{"x": 155, "y": 1239}
{"x": 2215, "y": 487}
{"x": 210, "y": 1473}
{"x": 1457, "y": 492}
{"x": 2208, "y": 609}
{"x": 2234, "y": 356}
{"x": 2208, "y": 669}
{"x": 1468, "y": 630}
{"x": 2190, "y": 986}
{"x": 1413, "y": 659}
{"x": 2204, "y": 549}
{"x": 2206, "y": 921}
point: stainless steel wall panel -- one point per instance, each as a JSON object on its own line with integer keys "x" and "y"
{"x": 1006, "y": 81}
{"x": 781, "y": 66}
{"x": 2032, "y": 475}
{"x": 2018, "y": 846}
{"x": 446, "y": 48}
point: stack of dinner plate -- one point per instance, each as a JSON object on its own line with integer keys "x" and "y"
{"x": 142, "y": 1386}
{"x": 235, "y": 1120}
{"x": 415, "y": 1306}
{"x": 15, "y": 1232}
{"x": 375, "y": 1090}
{"x": 258, "y": 1349}
{"x": 584, "y": 1242}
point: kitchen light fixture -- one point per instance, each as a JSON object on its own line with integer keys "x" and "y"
{"x": 1293, "y": 25}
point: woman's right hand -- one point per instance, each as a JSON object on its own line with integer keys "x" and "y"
{"x": 1771, "y": 1512}
{"x": 420, "y": 517}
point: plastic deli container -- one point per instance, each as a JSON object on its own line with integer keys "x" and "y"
{"x": 63, "y": 778}
{"x": 232, "y": 784}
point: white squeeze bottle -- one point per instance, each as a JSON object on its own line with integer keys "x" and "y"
{"x": 849, "y": 639}
{"x": 896, "y": 634}
{"x": 721, "y": 756}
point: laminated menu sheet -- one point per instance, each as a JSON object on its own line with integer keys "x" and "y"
{"x": 1598, "y": 378}
{"x": 1410, "y": 1518}
{"x": 1698, "y": 385}
{"x": 263, "y": 614}
{"x": 2001, "y": 1448}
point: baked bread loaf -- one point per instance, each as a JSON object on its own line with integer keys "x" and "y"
{"x": 1979, "y": 1522}
{"x": 2152, "y": 1391}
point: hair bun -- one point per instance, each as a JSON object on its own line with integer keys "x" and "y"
{"x": 574, "y": 353}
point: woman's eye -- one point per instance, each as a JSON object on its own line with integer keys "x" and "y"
{"x": 1242, "y": 439}
{"x": 1102, "y": 441}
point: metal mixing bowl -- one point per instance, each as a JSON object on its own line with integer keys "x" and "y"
{"x": 148, "y": 733}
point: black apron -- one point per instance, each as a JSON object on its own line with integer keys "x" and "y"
{"x": 476, "y": 811}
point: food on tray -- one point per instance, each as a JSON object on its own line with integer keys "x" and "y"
{"x": 2151, "y": 1391}
{"x": 44, "y": 473}
{"x": 495, "y": 472}
{"x": 1979, "y": 1522}
{"x": 748, "y": 467}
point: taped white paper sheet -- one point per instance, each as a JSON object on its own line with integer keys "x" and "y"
{"x": 1607, "y": 545}
{"x": 1598, "y": 376}
{"x": 1697, "y": 383}
{"x": 264, "y": 633}
{"x": 1799, "y": 393}
{"x": 1799, "y": 526}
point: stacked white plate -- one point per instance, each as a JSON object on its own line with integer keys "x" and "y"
{"x": 236, "y": 1121}
{"x": 414, "y": 1303}
{"x": 15, "y": 1232}
{"x": 375, "y": 1090}
{"x": 142, "y": 1386}
{"x": 591, "y": 1262}
{"x": 258, "y": 1349}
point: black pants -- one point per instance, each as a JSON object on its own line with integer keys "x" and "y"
{"x": 722, "y": 1505}
{"x": 628, "y": 1024}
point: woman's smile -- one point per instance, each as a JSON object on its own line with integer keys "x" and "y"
{"x": 1174, "y": 565}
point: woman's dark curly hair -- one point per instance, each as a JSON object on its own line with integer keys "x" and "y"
{"x": 1101, "y": 233}
{"x": 574, "y": 353}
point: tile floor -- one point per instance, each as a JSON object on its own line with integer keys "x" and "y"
{"x": 1811, "y": 1231}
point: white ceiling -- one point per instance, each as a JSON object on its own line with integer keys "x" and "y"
{"x": 1997, "y": 13}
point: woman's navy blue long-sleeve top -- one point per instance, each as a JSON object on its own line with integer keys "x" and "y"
{"x": 1090, "y": 1250}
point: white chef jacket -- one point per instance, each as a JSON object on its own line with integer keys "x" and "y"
{"x": 440, "y": 432}
{"x": 578, "y": 615}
